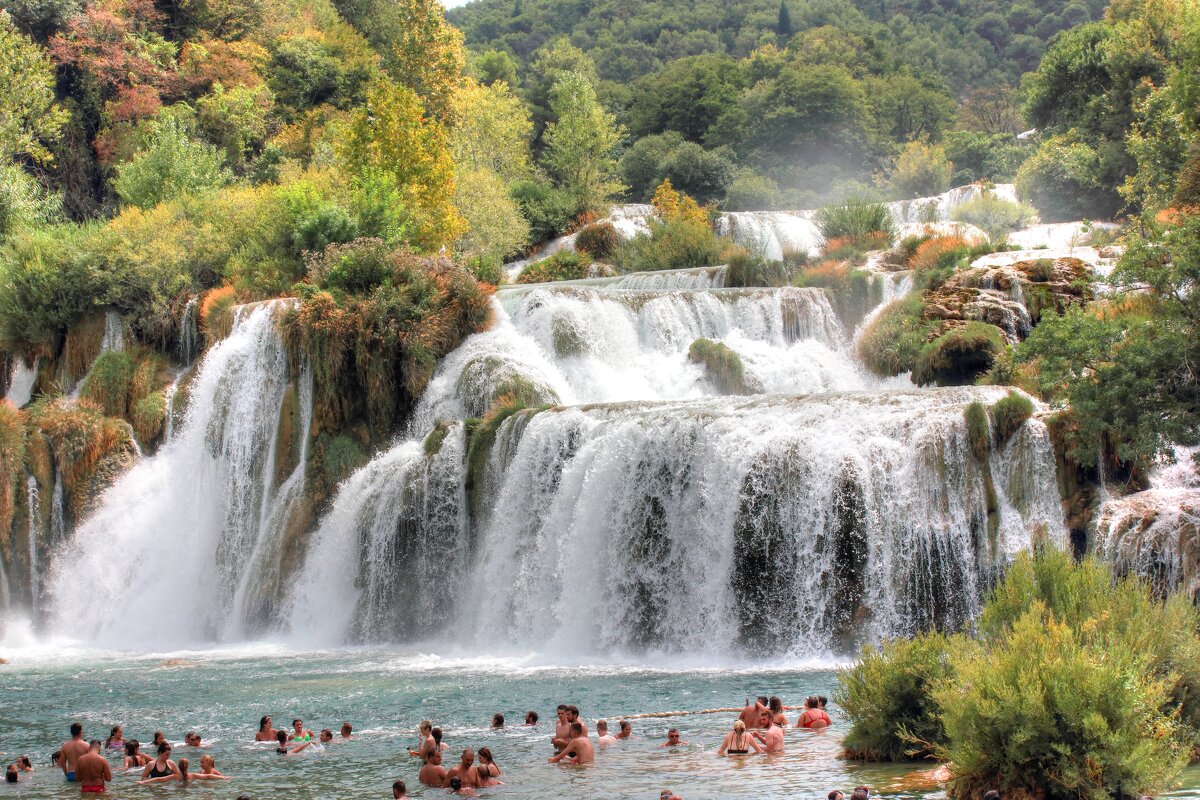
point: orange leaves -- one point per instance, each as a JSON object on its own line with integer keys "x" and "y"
{"x": 673, "y": 205}
{"x": 931, "y": 251}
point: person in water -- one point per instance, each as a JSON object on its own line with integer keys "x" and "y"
{"x": 266, "y": 731}
{"x": 115, "y": 740}
{"x": 162, "y": 766}
{"x": 193, "y": 739}
{"x": 283, "y": 749}
{"x": 158, "y": 739}
{"x": 771, "y": 736}
{"x": 299, "y": 732}
{"x": 562, "y": 729}
{"x": 531, "y": 719}
{"x": 752, "y": 713}
{"x": 433, "y": 773}
{"x": 92, "y": 770}
{"x": 326, "y": 736}
{"x": 399, "y": 790}
{"x": 24, "y": 764}
{"x": 486, "y": 771}
{"x": 673, "y": 739}
{"x": 603, "y": 737}
{"x": 835, "y": 795}
{"x": 436, "y": 733}
{"x": 347, "y": 730}
{"x": 208, "y": 770}
{"x": 776, "y": 707}
{"x": 578, "y": 749}
{"x": 813, "y": 718}
{"x": 71, "y": 750}
{"x": 10, "y": 774}
{"x": 738, "y": 742}
{"x": 456, "y": 786}
{"x": 464, "y": 769}
{"x": 497, "y": 721}
{"x": 425, "y": 742}
{"x": 134, "y": 757}
{"x": 626, "y": 730}
{"x": 573, "y": 717}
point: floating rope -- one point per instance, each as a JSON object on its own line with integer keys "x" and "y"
{"x": 661, "y": 714}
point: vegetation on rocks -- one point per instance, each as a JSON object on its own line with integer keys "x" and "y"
{"x": 565, "y": 265}
{"x": 722, "y": 365}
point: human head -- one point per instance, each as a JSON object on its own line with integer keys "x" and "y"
{"x": 326, "y": 735}
{"x": 347, "y": 729}
{"x": 485, "y": 755}
{"x": 602, "y": 727}
{"x": 766, "y": 720}
{"x": 455, "y": 783}
{"x": 835, "y": 795}
{"x": 810, "y": 702}
{"x": 762, "y": 700}
{"x": 434, "y": 757}
{"x": 572, "y": 713}
{"x": 497, "y": 720}
{"x": 281, "y": 737}
{"x": 264, "y": 723}
{"x": 131, "y": 748}
{"x": 739, "y": 726}
{"x": 24, "y": 761}
{"x": 436, "y": 733}
{"x": 183, "y": 769}
{"x": 562, "y": 712}
{"x": 399, "y": 789}
{"x": 298, "y": 724}
{"x": 673, "y": 735}
{"x": 159, "y": 738}
{"x": 54, "y": 757}
{"x": 576, "y": 729}
{"x": 207, "y": 761}
{"x": 94, "y": 745}
{"x": 192, "y": 738}
{"x": 822, "y": 700}
{"x": 468, "y": 757}
{"x": 115, "y": 733}
{"x": 625, "y": 725}
{"x": 425, "y": 727}
{"x": 859, "y": 794}
{"x": 76, "y": 730}
{"x": 531, "y": 717}
{"x": 164, "y": 748}
{"x": 776, "y": 705}
{"x": 10, "y": 774}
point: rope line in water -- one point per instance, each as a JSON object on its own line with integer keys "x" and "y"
{"x": 660, "y": 714}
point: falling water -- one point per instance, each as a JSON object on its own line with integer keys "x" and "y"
{"x": 114, "y": 332}
{"x": 189, "y": 335}
{"x": 21, "y": 381}
{"x": 184, "y": 525}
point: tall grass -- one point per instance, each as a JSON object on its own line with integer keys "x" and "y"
{"x": 856, "y": 219}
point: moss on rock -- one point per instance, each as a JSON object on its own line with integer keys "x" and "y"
{"x": 958, "y": 356}
{"x": 723, "y": 366}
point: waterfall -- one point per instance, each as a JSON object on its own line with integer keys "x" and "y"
{"x": 169, "y": 395}
{"x": 189, "y": 332}
{"x": 114, "y": 332}
{"x": 184, "y": 526}
{"x": 21, "y": 381}
{"x": 769, "y": 234}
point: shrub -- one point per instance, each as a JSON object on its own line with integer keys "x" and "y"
{"x": 888, "y": 698}
{"x": 148, "y": 416}
{"x": 565, "y": 265}
{"x": 1009, "y": 414}
{"x": 495, "y": 225}
{"x": 724, "y": 366}
{"x": 172, "y": 164}
{"x": 921, "y": 170}
{"x": 853, "y": 291}
{"x": 958, "y": 356}
{"x": 676, "y": 244}
{"x": 936, "y": 259}
{"x": 994, "y": 215}
{"x": 748, "y": 270}
{"x": 216, "y": 313}
{"x": 107, "y": 383}
{"x": 487, "y": 269}
{"x": 81, "y": 437}
{"x": 46, "y": 282}
{"x": 549, "y": 210}
{"x": 857, "y": 220}
{"x": 599, "y": 241}
{"x": 358, "y": 266}
{"x": 1062, "y": 180}
{"x": 893, "y": 340}
{"x": 978, "y": 429}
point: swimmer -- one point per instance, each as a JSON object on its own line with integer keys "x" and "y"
{"x": 24, "y": 764}
{"x": 822, "y": 700}
{"x": 626, "y": 730}
{"x": 456, "y": 785}
{"x": 673, "y": 739}
{"x": 776, "y": 707}
{"x": 326, "y": 736}
{"x": 192, "y": 739}
{"x": 115, "y": 740}
{"x": 208, "y": 770}
{"x": 71, "y": 750}
{"x": 487, "y": 771}
{"x": 578, "y": 749}
{"x": 134, "y": 757}
{"x": 497, "y": 721}
{"x": 162, "y": 766}
{"x": 10, "y": 774}
{"x": 182, "y": 775}
{"x": 299, "y": 732}
{"x": 266, "y": 731}
{"x": 835, "y": 795}
{"x": 425, "y": 742}
{"x": 158, "y": 739}
{"x": 738, "y": 742}
{"x": 347, "y": 730}
{"x": 433, "y": 773}
{"x": 283, "y": 749}
{"x": 573, "y": 717}
{"x": 531, "y": 718}
{"x": 92, "y": 770}
{"x": 772, "y": 735}
{"x": 752, "y": 713}
{"x": 813, "y": 717}
{"x": 667, "y": 794}
{"x": 399, "y": 790}
{"x": 603, "y": 737}
{"x": 562, "y": 729}
{"x": 463, "y": 770}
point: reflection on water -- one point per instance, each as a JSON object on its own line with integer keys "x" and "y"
{"x": 385, "y": 695}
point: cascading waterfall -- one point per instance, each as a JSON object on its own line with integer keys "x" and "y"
{"x": 114, "y": 332}
{"x": 189, "y": 332}
{"x": 21, "y": 381}
{"x": 33, "y": 514}
{"x": 183, "y": 527}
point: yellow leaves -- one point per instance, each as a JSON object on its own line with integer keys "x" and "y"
{"x": 673, "y": 205}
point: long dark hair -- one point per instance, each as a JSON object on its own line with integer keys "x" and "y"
{"x": 262, "y": 723}
{"x": 436, "y": 733}
{"x": 183, "y": 769}
{"x": 485, "y": 753}
{"x": 131, "y": 748}
{"x": 281, "y": 737}
{"x": 112, "y": 734}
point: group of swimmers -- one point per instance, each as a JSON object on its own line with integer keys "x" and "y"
{"x": 299, "y": 738}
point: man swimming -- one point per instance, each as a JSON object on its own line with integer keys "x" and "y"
{"x": 192, "y": 739}
{"x": 531, "y": 718}
{"x": 399, "y": 791}
{"x": 433, "y": 773}
{"x": 71, "y": 750}
{"x": 497, "y": 721}
{"x": 603, "y": 737}
{"x": 752, "y": 714}
{"x": 673, "y": 739}
{"x": 462, "y": 770}
{"x": 579, "y": 750}
{"x": 326, "y": 736}
{"x": 562, "y": 729}
{"x": 92, "y": 770}
{"x": 771, "y": 736}
{"x": 573, "y": 717}
{"x": 347, "y": 730}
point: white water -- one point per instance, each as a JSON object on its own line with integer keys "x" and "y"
{"x": 181, "y": 529}
{"x": 21, "y": 381}
{"x": 114, "y": 332}
{"x": 189, "y": 332}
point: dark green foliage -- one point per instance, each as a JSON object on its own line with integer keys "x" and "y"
{"x": 702, "y": 174}
{"x": 978, "y": 429}
{"x": 984, "y": 156}
{"x": 723, "y": 366}
{"x": 107, "y": 382}
{"x": 891, "y": 344}
{"x": 486, "y": 269}
{"x": 355, "y": 267}
{"x": 887, "y": 695}
{"x": 958, "y": 356}
{"x": 549, "y": 210}
{"x": 856, "y": 219}
{"x": 676, "y": 244}
{"x": 565, "y": 265}
{"x": 1009, "y": 414}
{"x": 599, "y": 240}
{"x": 686, "y": 96}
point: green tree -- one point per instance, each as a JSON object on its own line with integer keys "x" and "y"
{"x": 170, "y": 165}
{"x": 494, "y": 224}
{"x": 29, "y": 117}
{"x": 921, "y": 170}
{"x": 783, "y": 25}
{"x": 581, "y": 142}
{"x": 685, "y": 96}
{"x": 492, "y": 66}
{"x": 426, "y": 53}
{"x": 492, "y": 130}
{"x": 236, "y": 120}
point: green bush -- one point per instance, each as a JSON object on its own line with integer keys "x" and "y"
{"x": 855, "y": 219}
{"x": 1063, "y": 183}
{"x": 548, "y": 209}
{"x": 599, "y": 241}
{"x": 565, "y": 265}
{"x": 1009, "y": 414}
{"x": 675, "y": 244}
{"x": 107, "y": 382}
{"x": 978, "y": 429}
{"x": 171, "y": 164}
{"x": 486, "y": 268}
{"x": 994, "y": 215}
{"x": 921, "y": 170}
{"x": 358, "y": 266}
{"x": 893, "y": 340}
{"x": 46, "y": 282}
{"x": 748, "y": 270}
{"x": 958, "y": 356}
{"x": 888, "y": 698}
{"x": 750, "y": 191}
{"x": 723, "y": 366}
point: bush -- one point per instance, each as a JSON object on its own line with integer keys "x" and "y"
{"x": 958, "y": 356}
{"x": 857, "y": 220}
{"x": 171, "y": 165}
{"x": 995, "y": 216}
{"x": 921, "y": 170}
{"x": 565, "y": 265}
{"x": 893, "y": 340}
{"x": 724, "y": 366}
{"x": 937, "y": 258}
{"x": 486, "y": 269}
{"x": 748, "y": 270}
{"x": 1009, "y": 414}
{"x": 1062, "y": 182}
{"x": 549, "y": 210}
{"x": 978, "y": 429}
{"x": 45, "y": 282}
{"x": 750, "y": 191}
{"x": 107, "y": 383}
{"x": 599, "y": 241}
{"x": 81, "y": 437}
{"x": 358, "y": 266}
{"x": 888, "y": 698}
{"x": 852, "y": 291}
{"x": 675, "y": 244}
{"x": 216, "y": 313}
{"x": 148, "y": 416}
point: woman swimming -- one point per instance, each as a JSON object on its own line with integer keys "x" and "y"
{"x": 115, "y": 740}
{"x": 283, "y": 749}
{"x": 738, "y": 742}
{"x": 162, "y": 767}
{"x": 776, "y": 707}
{"x": 208, "y": 770}
{"x": 814, "y": 717}
{"x": 301, "y": 733}
{"x": 134, "y": 757}
{"x": 266, "y": 731}
{"x": 487, "y": 771}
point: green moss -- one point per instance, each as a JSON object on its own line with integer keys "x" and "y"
{"x": 107, "y": 383}
{"x": 724, "y": 366}
{"x": 148, "y": 417}
{"x": 1009, "y": 414}
{"x": 436, "y": 438}
{"x": 81, "y": 438}
{"x": 334, "y": 458}
{"x": 893, "y": 340}
{"x": 565, "y": 265}
{"x": 978, "y": 430}
{"x": 12, "y": 462}
{"x": 959, "y": 356}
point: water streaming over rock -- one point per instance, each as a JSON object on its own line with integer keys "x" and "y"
{"x": 190, "y": 525}
{"x": 21, "y": 381}
{"x": 114, "y": 332}
{"x": 189, "y": 332}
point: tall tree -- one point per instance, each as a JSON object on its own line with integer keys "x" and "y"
{"x": 581, "y": 142}
{"x": 29, "y": 118}
{"x": 784, "y": 26}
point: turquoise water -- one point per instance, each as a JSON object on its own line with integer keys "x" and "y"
{"x": 384, "y": 694}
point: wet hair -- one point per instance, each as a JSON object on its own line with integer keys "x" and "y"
{"x": 776, "y": 705}
{"x": 822, "y": 700}
{"x": 131, "y": 748}
{"x": 497, "y": 720}
{"x": 76, "y": 729}
{"x": 55, "y": 756}
{"x": 112, "y": 735}
{"x": 602, "y": 725}
{"x": 159, "y": 738}
{"x": 531, "y": 717}
{"x": 739, "y": 726}
{"x": 436, "y": 733}
{"x": 574, "y": 710}
{"x": 94, "y": 743}
{"x": 992, "y": 794}
{"x": 485, "y": 754}
{"x": 327, "y": 732}
{"x": 625, "y": 724}
{"x": 834, "y": 795}
{"x": 187, "y": 737}
{"x": 812, "y": 702}
{"x": 674, "y": 731}
{"x": 762, "y": 699}
{"x": 347, "y": 728}
{"x": 456, "y": 783}
{"x": 577, "y": 728}
{"x": 10, "y": 774}
{"x": 281, "y": 737}
{"x": 562, "y": 707}
{"x": 207, "y": 757}
{"x": 859, "y": 794}
{"x": 25, "y": 762}
{"x": 398, "y": 787}
{"x": 164, "y": 747}
{"x": 425, "y": 725}
{"x": 262, "y": 723}
{"x": 296, "y": 722}
{"x": 183, "y": 769}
